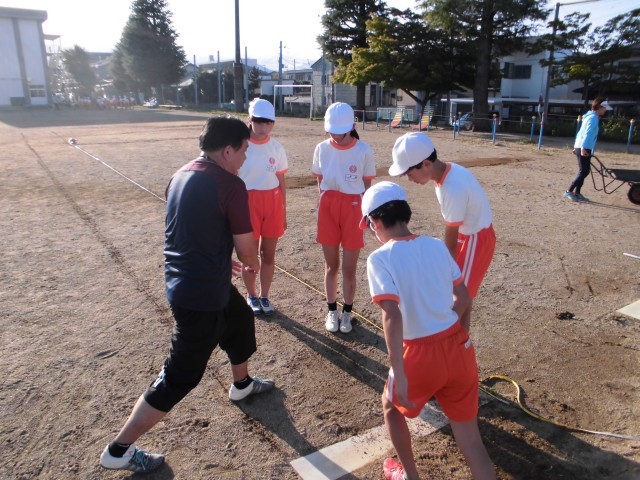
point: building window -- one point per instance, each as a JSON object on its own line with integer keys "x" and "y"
{"x": 37, "y": 91}
{"x": 516, "y": 72}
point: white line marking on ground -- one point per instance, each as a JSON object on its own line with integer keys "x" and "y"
{"x": 631, "y": 310}
{"x": 344, "y": 457}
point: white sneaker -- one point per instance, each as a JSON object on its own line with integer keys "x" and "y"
{"x": 332, "y": 323}
{"x": 134, "y": 460}
{"x": 345, "y": 322}
{"x": 259, "y": 385}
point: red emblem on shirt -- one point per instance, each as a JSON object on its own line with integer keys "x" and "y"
{"x": 272, "y": 160}
{"x": 353, "y": 169}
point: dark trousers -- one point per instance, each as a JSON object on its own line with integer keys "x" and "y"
{"x": 584, "y": 167}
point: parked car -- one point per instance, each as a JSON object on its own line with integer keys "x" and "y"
{"x": 151, "y": 103}
{"x": 465, "y": 122}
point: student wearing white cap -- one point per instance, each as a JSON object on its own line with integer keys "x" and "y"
{"x": 263, "y": 173}
{"x": 585, "y": 143}
{"x": 468, "y": 231}
{"x": 344, "y": 167}
{"x": 420, "y": 289}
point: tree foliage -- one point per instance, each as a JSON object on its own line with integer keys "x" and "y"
{"x": 77, "y": 64}
{"x": 406, "y": 53}
{"x": 595, "y": 58}
{"x": 345, "y": 29}
{"x": 490, "y": 28}
{"x": 147, "y": 54}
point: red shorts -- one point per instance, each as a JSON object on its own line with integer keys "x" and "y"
{"x": 267, "y": 213}
{"x": 339, "y": 217}
{"x": 442, "y": 366}
{"x": 474, "y": 255}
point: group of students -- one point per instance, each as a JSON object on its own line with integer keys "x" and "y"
{"x": 233, "y": 197}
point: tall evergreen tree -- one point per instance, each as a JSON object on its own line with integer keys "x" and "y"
{"x": 150, "y": 55}
{"x": 76, "y": 63}
{"x": 490, "y": 28}
{"x": 345, "y": 30}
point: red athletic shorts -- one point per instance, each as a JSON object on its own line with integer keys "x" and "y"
{"x": 339, "y": 217}
{"x": 474, "y": 255}
{"x": 442, "y": 366}
{"x": 267, "y": 213}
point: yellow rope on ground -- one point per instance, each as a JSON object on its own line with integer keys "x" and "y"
{"x": 311, "y": 287}
{"x": 518, "y": 401}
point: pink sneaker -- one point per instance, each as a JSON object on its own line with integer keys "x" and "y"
{"x": 393, "y": 470}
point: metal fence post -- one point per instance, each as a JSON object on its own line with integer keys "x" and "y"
{"x": 541, "y": 130}
{"x": 578, "y": 123}
{"x": 455, "y": 121}
{"x": 493, "y": 129}
{"x": 533, "y": 127}
{"x": 630, "y": 134}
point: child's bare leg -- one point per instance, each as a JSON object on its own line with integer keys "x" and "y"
{"x": 400, "y": 437}
{"x": 331, "y": 270}
{"x": 465, "y": 319}
{"x": 267, "y": 264}
{"x": 468, "y": 439}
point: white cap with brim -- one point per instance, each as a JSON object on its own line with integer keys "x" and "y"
{"x": 260, "y": 108}
{"x": 606, "y": 105}
{"x": 339, "y": 118}
{"x": 378, "y": 195}
{"x": 409, "y": 150}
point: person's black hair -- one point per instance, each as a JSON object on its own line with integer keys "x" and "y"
{"x": 432, "y": 158}
{"x": 223, "y": 131}
{"x": 392, "y": 212}
{"x": 354, "y": 134}
{"x": 597, "y": 103}
{"x": 260, "y": 120}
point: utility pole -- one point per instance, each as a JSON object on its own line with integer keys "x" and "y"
{"x": 246, "y": 77}
{"x": 280, "y": 78}
{"x": 195, "y": 79}
{"x": 220, "y": 100}
{"x": 237, "y": 67}
{"x": 551, "y": 51}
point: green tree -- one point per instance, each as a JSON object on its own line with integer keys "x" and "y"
{"x": 345, "y": 29}
{"x": 77, "y": 64}
{"x": 254, "y": 80}
{"x": 595, "y": 58}
{"x": 121, "y": 79}
{"x": 406, "y": 53}
{"x": 490, "y": 28}
{"x": 149, "y": 54}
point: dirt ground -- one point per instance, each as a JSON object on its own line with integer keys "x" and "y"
{"x": 85, "y": 324}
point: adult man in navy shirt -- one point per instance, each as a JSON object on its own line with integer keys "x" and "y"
{"x": 207, "y": 218}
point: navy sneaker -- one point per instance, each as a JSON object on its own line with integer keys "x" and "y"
{"x": 254, "y": 303}
{"x": 267, "y": 309}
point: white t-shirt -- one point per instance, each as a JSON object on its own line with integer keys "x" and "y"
{"x": 462, "y": 200}
{"x": 264, "y": 160}
{"x": 419, "y": 273}
{"x": 343, "y": 168}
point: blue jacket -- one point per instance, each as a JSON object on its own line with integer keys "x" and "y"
{"x": 588, "y": 133}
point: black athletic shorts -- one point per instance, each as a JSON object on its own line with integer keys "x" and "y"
{"x": 195, "y": 336}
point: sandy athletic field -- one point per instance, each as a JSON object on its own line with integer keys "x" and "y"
{"x": 85, "y": 324}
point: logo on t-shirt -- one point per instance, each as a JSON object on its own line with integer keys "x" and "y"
{"x": 353, "y": 168}
{"x": 272, "y": 165}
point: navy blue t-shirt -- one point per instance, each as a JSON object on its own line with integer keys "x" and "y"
{"x": 206, "y": 206}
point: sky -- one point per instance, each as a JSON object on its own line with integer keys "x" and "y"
{"x": 207, "y": 27}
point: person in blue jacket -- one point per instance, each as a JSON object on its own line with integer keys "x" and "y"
{"x": 584, "y": 144}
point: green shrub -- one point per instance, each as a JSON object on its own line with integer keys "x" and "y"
{"x": 616, "y": 129}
